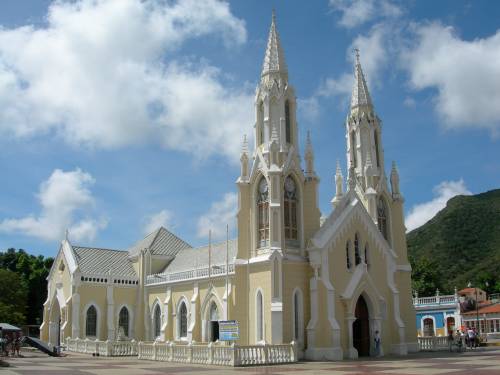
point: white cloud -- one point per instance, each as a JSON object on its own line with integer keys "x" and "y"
{"x": 374, "y": 51}
{"x": 357, "y": 12}
{"x": 162, "y": 218}
{"x": 422, "y": 213}
{"x": 466, "y": 75}
{"x": 220, "y": 214}
{"x": 105, "y": 74}
{"x": 66, "y": 200}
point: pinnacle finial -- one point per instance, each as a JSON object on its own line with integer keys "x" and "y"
{"x": 66, "y": 234}
{"x": 244, "y": 145}
{"x": 308, "y": 142}
{"x": 274, "y": 59}
{"x": 360, "y": 93}
{"x": 338, "y": 170}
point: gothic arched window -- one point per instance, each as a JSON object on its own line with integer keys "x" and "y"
{"x": 288, "y": 127}
{"x": 297, "y": 315}
{"x": 182, "y": 320}
{"x": 123, "y": 320}
{"x": 259, "y": 317}
{"x": 260, "y": 123}
{"x": 377, "y": 151}
{"x": 353, "y": 149}
{"x": 290, "y": 210}
{"x": 367, "y": 260}
{"x": 91, "y": 322}
{"x": 157, "y": 321}
{"x": 276, "y": 278}
{"x": 348, "y": 254}
{"x": 382, "y": 218}
{"x": 357, "y": 255}
{"x": 214, "y": 312}
{"x": 263, "y": 212}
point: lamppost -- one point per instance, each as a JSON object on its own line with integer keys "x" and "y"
{"x": 477, "y": 307}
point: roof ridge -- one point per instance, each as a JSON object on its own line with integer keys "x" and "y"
{"x": 98, "y": 248}
{"x": 173, "y": 234}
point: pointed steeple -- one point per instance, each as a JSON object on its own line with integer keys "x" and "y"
{"x": 339, "y": 182}
{"x": 360, "y": 93}
{"x": 309, "y": 149}
{"x": 274, "y": 60}
{"x": 396, "y": 194}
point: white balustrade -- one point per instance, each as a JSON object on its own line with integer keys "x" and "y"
{"x": 212, "y": 353}
{"x": 435, "y": 300}
{"x": 221, "y": 355}
{"x": 200, "y": 273}
{"x": 434, "y": 343}
{"x": 104, "y": 348}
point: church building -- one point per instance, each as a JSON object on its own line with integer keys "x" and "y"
{"x": 330, "y": 285}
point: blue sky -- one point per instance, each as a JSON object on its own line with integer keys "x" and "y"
{"x": 121, "y": 115}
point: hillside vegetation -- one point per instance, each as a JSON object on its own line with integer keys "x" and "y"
{"x": 460, "y": 244}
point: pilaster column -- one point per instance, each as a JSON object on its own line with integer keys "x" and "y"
{"x": 111, "y": 313}
{"x": 75, "y": 316}
{"x": 352, "y": 351}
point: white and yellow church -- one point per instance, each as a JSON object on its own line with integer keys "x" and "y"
{"x": 329, "y": 285}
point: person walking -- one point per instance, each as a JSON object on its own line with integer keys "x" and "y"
{"x": 17, "y": 344}
{"x": 450, "y": 340}
{"x": 458, "y": 340}
{"x": 471, "y": 337}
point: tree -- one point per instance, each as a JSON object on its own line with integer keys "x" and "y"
{"x": 425, "y": 277}
{"x": 13, "y": 297}
{"x": 33, "y": 272}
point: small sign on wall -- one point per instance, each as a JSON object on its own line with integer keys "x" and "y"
{"x": 229, "y": 330}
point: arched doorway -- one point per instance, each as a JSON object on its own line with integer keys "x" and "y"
{"x": 55, "y": 324}
{"x": 428, "y": 327}
{"x": 213, "y": 322}
{"x": 450, "y": 324}
{"x": 361, "y": 328}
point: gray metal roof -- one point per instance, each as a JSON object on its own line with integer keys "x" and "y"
{"x": 97, "y": 261}
{"x": 159, "y": 242}
{"x": 9, "y": 327}
{"x": 191, "y": 258}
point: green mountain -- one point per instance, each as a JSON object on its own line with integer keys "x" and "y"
{"x": 460, "y": 244}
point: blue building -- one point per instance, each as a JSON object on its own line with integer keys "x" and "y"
{"x": 437, "y": 315}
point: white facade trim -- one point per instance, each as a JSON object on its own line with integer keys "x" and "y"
{"x": 262, "y": 315}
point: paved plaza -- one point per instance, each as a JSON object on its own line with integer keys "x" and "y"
{"x": 483, "y": 361}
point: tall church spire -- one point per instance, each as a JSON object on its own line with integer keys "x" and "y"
{"x": 274, "y": 60}
{"x": 360, "y": 93}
